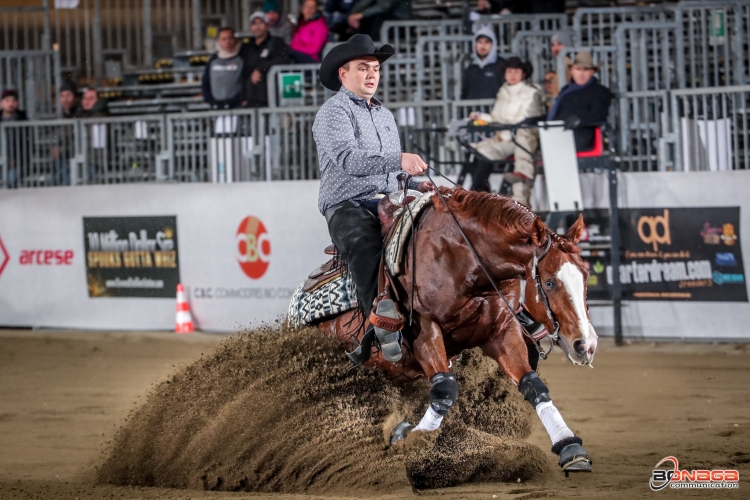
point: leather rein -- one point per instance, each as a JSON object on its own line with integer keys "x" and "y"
{"x": 555, "y": 335}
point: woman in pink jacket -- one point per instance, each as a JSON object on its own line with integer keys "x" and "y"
{"x": 311, "y": 34}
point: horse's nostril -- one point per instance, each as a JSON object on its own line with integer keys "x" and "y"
{"x": 579, "y": 346}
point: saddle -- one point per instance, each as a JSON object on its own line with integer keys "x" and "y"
{"x": 390, "y": 208}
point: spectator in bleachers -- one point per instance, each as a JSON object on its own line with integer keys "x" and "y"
{"x": 16, "y": 138}
{"x": 337, "y": 13}
{"x": 368, "y": 16}
{"x": 310, "y": 35}
{"x": 551, "y": 88}
{"x": 279, "y": 25}
{"x": 559, "y": 41}
{"x": 92, "y": 106}
{"x": 484, "y": 77}
{"x": 68, "y": 97}
{"x": 64, "y": 151}
{"x": 517, "y": 100}
{"x": 263, "y": 52}
{"x": 226, "y": 73}
{"x": 583, "y": 101}
{"x": 9, "y": 106}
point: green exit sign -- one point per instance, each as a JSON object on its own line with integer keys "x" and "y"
{"x": 291, "y": 86}
{"x": 717, "y": 33}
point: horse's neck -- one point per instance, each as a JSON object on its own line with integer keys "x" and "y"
{"x": 502, "y": 255}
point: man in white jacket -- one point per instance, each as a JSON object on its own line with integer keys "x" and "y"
{"x": 517, "y": 100}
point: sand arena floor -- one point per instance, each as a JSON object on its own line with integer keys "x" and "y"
{"x": 64, "y": 394}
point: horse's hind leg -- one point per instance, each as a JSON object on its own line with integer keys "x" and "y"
{"x": 510, "y": 352}
{"x": 429, "y": 350}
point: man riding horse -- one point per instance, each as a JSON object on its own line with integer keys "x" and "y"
{"x": 360, "y": 156}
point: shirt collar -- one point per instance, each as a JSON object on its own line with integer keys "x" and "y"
{"x": 374, "y": 103}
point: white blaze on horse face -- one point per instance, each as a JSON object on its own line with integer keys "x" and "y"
{"x": 572, "y": 278}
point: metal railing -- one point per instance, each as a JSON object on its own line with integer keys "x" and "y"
{"x": 688, "y": 129}
{"x": 650, "y": 56}
{"x": 596, "y": 25}
{"x": 712, "y": 128}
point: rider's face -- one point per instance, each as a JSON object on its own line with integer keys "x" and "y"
{"x": 580, "y": 74}
{"x": 361, "y": 76}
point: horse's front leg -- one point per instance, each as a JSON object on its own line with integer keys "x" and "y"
{"x": 509, "y": 350}
{"x": 429, "y": 350}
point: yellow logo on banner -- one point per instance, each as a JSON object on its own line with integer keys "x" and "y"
{"x": 655, "y": 237}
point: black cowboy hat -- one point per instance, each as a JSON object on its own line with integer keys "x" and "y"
{"x": 356, "y": 47}
{"x": 516, "y": 63}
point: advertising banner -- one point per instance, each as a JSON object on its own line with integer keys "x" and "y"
{"x": 131, "y": 256}
{"x": 110, "y": 257}
{"x": 677, "y": 253}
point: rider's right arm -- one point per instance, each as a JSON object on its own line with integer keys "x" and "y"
{"x": 333, "y": 131}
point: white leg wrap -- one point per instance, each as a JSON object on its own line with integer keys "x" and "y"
{"x": 553, "y": 422}
{"x": 430, "y": 421}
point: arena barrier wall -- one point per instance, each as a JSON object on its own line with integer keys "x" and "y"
{"x": 52, "y": 287}
{"x": 240, "y": 250}
{"x": 705, "y": 317}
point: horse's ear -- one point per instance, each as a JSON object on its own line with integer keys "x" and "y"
{"x": 575, "y": 231}
{"x": 538, "y": 232}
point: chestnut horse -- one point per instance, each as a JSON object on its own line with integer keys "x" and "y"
{"x": 456, "y": 305}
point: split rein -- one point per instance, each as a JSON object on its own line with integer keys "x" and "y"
{"x": 555, "y": 335}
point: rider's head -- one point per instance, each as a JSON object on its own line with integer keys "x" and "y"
{"x": 516, "y": 70}
{"x": 361, "y": 76}
{"x": 354, "y": 65}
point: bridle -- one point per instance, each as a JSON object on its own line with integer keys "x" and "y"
{"x": 555, "y": 335}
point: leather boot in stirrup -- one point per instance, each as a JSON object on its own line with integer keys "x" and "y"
{"x": 388, "y": 323}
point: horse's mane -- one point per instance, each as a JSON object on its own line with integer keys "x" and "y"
{"x": 499, "y": 212}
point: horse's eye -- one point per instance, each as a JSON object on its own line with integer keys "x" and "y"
{"x": 548, "y": 284}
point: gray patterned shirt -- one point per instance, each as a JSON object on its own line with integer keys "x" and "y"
{"x": 359, "y": 149}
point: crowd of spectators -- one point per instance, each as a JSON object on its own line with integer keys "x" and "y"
{"x": 236, "y": 75}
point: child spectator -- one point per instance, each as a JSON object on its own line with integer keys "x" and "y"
{"x": 311, "y": 34}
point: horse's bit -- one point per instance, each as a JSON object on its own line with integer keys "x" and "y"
{"x": 554, "y": 336}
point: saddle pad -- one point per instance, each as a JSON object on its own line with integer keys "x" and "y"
{"x": 325, "y": 301}
{"x": 394, "y": 249}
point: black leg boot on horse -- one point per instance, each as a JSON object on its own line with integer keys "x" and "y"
{"x": 573, "y": 458}
{"x": 355, "y": 232}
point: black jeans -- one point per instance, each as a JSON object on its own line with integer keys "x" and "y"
{"x": 355, "y": 232}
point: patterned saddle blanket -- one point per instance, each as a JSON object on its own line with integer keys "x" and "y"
{"x": 332, "y": 296}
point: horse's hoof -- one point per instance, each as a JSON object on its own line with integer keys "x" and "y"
{"x": 573, "y": 458}
{"x": 400, "y": 432}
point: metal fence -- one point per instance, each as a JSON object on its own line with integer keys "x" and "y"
{"x": 712, "y": 128}
{"x": 689, "y": 129}
{"x": 100, "y": 38}
{"x": 595, "y": 26}
{"x": 34, "y": 74}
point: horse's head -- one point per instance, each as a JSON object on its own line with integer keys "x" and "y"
{"x": 562, "y": 278}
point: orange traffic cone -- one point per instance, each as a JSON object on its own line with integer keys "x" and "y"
{"x": 183, "y": 322}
